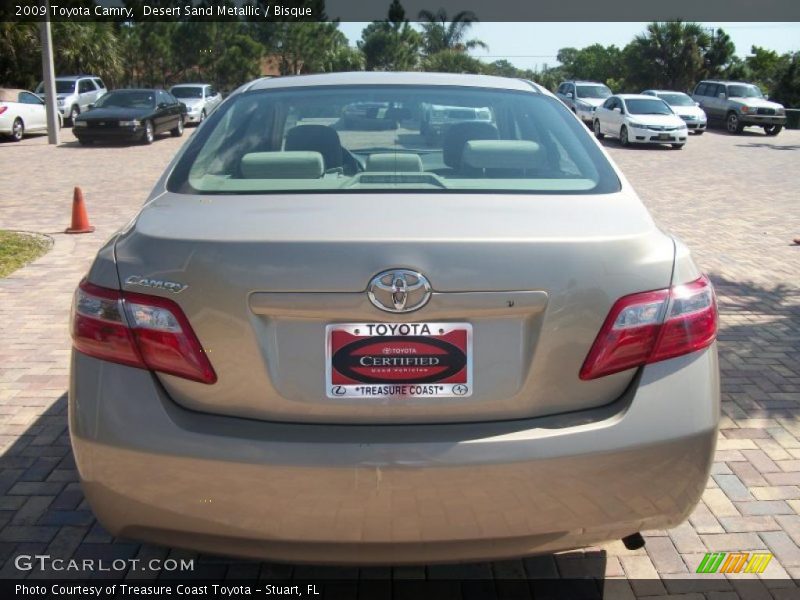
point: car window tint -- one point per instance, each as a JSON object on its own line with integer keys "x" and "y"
{"x": 85, "y": 85}
{"x": 28, "y": 98}
{"x": 354, "y": 139}
{"x": 99, "y": 83}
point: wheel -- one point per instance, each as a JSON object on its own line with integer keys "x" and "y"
{"x": 202, "y": 116}
{"x": 597, "y": 133}
{"x": 178, "y": 131}
{"x": 17, "y": 130}
{"x": 677, "y": 146}
{"x": 623, "y": 137}
{"x": 148, "y": 135}
{"x": 772, "y": 129}
{"x": 733, "y": 124}
{"x": 73, "y": 113}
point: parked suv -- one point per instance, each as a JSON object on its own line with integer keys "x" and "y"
{"x": 75, "y": 93}
{"x": 739, "y": 105}
{"x": 583, "y": 97}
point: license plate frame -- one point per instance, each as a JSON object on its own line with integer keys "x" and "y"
{"x": 410, "y": 371}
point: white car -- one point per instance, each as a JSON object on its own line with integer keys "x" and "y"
{"x": 200, "y": 99}
{"x": 21, "y": 112}
{"x": 685, "y": 107}
{"x": 639, "y": 119}
{"x": 75, "y": 94}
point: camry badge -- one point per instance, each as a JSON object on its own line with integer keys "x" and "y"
{"x": 399, "y": 290}
{"x": 157, "y": 284}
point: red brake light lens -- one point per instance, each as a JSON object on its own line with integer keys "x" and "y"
{"x": 148, "y": 332}
{"x": 653, "y": 326}
{"x": 3, "y": 109}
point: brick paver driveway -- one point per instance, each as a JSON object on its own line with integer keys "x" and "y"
{"x": 733, "y": 200}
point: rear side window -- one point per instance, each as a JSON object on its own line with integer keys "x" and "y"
{"x": 99, "y": 83}
{"x": 85, "y": 85}
{"x": 700, "y": 90}
{"x": 387, "y": 138}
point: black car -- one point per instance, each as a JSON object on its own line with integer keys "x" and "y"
{"x": 134, "y": 115}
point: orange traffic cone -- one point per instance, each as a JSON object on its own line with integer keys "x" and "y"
{"x": 80, "y": 220}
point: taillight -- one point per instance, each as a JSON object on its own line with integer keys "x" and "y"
{"x": 3, "y": 109}
{"x": 652, "y": 326}
{"x": 141, "y": 331}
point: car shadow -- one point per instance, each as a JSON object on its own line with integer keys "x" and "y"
{"x": 614, "y": 143}
{"x": 770, "y": 146}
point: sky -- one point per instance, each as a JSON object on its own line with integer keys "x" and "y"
{"x": 532, "y": 45}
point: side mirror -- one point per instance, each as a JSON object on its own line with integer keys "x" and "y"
{"x": 617, "y": 109}
{"x": 91, "y": 106}
{"x": 162, "y": 105}
{"x": 721, "y": 95}
{"x": 697, "y": 104}
{"x": 569, "y": 94}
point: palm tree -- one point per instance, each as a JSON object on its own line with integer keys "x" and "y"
{"x": 674, "y": 51}
{"x": 440, "y": 34}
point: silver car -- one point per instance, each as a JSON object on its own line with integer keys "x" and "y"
{"x": 342, "y": 346}
{"x": 201, "y": 99}
{"x": 739, "y": 105}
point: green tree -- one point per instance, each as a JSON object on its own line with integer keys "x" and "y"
{"x": 718, "y": 56}
{"x": 765, "y": 67}
{"x": 595, "y": 63}
{"x": 452, "y": 61}
{"x": 20, "y": 61}
{"x": 670, "y": 55}
{"x": 87, "y": 47}
{"x": 439, "y": 34}
{"x": 787, "y": 86}
{"x": 391, "y": 45}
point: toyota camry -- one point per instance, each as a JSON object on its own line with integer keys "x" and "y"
{"x": 322, "y": 344}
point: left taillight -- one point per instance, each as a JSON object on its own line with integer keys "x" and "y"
{"x": 147, "y": 332}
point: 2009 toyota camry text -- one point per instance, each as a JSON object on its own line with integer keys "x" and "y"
{"x": 356, "y": 340}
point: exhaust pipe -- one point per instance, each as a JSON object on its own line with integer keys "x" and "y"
{"x": 633, "y": 541}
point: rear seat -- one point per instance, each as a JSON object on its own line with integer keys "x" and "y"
{"x": 502, "y": 158}
{"x": 282, "y": 165}
{"x": 394, "y": 162}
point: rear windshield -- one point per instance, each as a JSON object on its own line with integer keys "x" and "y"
{"x": 389, "y": 138}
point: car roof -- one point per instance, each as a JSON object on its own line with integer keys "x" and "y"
{"x": 666, "y": 92}
{"x": 76, "y": 77}
{"x": 634, "y": 96}
{"x": 401, "y": 78}
{"x": 725, "y": 81}
{"x": 188, "y": 85}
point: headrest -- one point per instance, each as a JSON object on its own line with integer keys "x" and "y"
{"x": 317, "y": 138}
{"x": 282, "y": 165}
{"x": 395, "y": 162}
{"x": 501, "y": 154}
{"x": 459, "y": 134}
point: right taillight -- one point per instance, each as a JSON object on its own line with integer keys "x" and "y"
{"x": 138, "y": 330}
{"x": 652, "y": 326}
{"x": 3, "y": 109}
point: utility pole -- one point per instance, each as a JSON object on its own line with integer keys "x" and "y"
{"x": 49, "y": 78}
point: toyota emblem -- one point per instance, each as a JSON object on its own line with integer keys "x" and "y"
{"x": 399, "y": 290}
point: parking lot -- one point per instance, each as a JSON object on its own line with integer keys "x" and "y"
{"x": 732, "y": 199}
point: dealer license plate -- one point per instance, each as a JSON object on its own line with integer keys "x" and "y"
{"x": 398, "y": 360}
{"x": 664, "y": 136}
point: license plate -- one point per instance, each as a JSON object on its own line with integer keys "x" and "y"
{"x": 664, "y": 136}
{"x": 398, "y": 360}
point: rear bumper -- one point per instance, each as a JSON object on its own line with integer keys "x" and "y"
{"x": 392, "y": 494}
